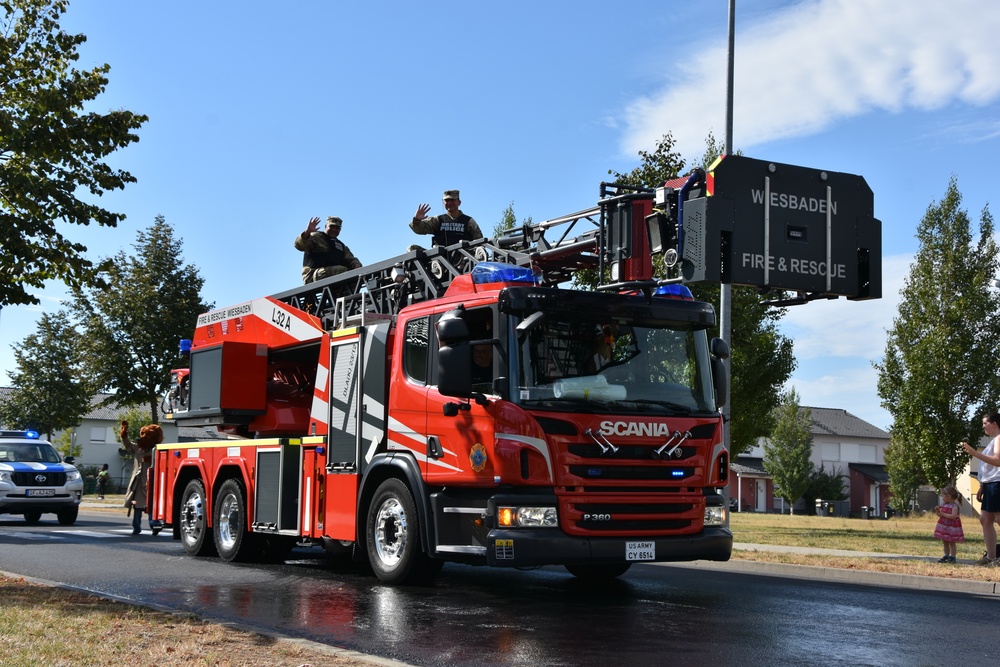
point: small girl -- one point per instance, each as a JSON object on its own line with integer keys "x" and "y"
{"x": 949, "y": 525}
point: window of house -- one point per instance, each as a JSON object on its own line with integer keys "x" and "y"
{"x": 99, "y": 434}
{"x": 831, "y": 451}
{"x": 849, "y": 452}
{"x": 867, "y": 454}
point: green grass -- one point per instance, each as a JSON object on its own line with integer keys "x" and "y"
{"x": 907, "y": 536}
{"x": 892, "y": 536}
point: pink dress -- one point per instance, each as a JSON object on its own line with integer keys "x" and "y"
{"x": 949, "y": 529}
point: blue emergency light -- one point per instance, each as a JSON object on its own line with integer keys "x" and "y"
{"x": 675, "y": 291}
{"x": 498, "y": 272}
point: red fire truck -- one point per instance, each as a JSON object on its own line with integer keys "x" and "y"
{"x": 436, "y": 407}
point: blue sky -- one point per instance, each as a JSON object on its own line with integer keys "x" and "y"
{"x": 265, "y": 114}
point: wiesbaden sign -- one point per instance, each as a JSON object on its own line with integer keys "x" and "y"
{"x": 779, "y": 226}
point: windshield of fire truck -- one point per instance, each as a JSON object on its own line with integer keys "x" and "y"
{"x": 576, "y": 362}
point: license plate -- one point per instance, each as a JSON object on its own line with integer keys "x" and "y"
{"x": 640, "y": 551}
{"x": 41, "y": 492}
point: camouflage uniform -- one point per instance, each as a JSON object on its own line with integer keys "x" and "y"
{"x": 446, "y": 229}
{"x": 323, "y": 256}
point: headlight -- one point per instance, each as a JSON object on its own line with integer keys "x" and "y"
{"x": 715, "y": 516}
{"x": 72, "y": 475}
{"x": 527, "y": 517}
{"x": 5, "y": 477}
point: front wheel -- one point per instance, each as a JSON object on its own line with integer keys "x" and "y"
{"x": 393, "y": 536}
{"x": 193, "y": 522}
{"x": 32, "y": 516}
{"x": 598, "y": 572}
{"x": 231, "y": 535}
{"x": 67, "y": 517}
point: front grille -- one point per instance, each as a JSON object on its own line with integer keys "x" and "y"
{"x": 635, "y": 452}
{"x": 673, "y": 516}
{"x": 36, "y": 478}
{"x": 664, "y": 473}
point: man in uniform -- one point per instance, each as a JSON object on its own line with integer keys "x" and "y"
{"x": 323, "y": 254}
{"x": 452, "y": 227}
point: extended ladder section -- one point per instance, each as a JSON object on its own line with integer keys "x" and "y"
{"x": 553, "y": 249}
{"x": 779, "y": 228}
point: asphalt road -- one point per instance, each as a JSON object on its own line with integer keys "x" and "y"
{"x": 654, "y": 615}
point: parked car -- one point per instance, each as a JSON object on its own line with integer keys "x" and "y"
{"x": 35, "y": 480}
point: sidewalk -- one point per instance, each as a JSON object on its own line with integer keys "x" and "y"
{"x": 843, "y": 575}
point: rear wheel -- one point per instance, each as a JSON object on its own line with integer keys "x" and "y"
{"x": 67, "y": 517}
{"x": 232, "y": 540}
{"x": 598, "y": 572}
{"x": 393, "y": 537}
{"x": 193, "y": 521}
{"x": 32, "y": 516}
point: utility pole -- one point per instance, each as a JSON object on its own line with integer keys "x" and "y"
{"x": 725, "y": 289}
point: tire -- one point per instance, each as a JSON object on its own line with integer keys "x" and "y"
{"x": 598, "y": 572}
{"x": 393, "y": 537}
{"x": 32, "y": 516}
{"x": 67, "y": 517}
{"x": 195, "y": 534}
{"x": 232, "y": 539}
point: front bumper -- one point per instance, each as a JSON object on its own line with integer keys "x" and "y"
{"x": 16, "y": 502}
{"x": 550, "y": 546}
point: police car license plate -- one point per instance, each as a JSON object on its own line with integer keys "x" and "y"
{"x": 640, "y": 551}
{"x": 41, "y": 492}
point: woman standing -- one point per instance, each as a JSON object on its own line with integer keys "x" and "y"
{"x": 989, "y": 485}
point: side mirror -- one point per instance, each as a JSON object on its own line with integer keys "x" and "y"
{"x": 719, "y": 348}
{"x": 451, "y": 328}
{"x": 455, "y": 370}
{"x": 720, "y": 352}
{"x": 69, "y": 459}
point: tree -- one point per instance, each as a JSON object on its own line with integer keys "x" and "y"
{"x": 51, "y": 151}
{"x": 787, "y": 451}
{"x": 906, "y": 475}
{"x": 67, "y": 445}
{"x": 939, "y": 372}
{"x": 48, "y": 392}
{"x": 508, "y": 221}
{"x": 762, "y": 359}
{"x": 823, "y": 485}
{"x": 133, "y": 328}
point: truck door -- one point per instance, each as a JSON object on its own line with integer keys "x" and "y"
{"x": 461, "y": 446}
{"x": 408, "y": 389}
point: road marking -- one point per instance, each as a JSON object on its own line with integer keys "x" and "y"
{"x": 29, "y": 536}
{"x": 87, "y": 533}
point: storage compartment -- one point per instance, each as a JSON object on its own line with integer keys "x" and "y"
{"x": 230, "y": 379}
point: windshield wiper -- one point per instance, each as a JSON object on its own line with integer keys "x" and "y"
{"x": 582, "y": 403}
{"x": 665, "y": 404}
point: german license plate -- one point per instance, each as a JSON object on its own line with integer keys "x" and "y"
{"x": 41, "y": 492}
{"x": 640, "y": 551}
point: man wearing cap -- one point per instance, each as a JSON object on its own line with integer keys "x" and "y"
{"x": 323, "y": 254}
{"x": 452, "y": 227}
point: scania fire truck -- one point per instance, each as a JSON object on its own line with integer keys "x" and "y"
{"x": 463, "y": 404}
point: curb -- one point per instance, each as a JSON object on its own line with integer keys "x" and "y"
{"x": 844, "y": 576}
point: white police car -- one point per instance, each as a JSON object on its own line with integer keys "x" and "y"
{"x": 35, "y": 480}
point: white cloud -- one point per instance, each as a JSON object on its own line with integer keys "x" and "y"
{"x": 824, "y": 60}
{"x": 842, "y": 328}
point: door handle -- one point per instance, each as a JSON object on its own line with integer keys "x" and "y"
{"x": 434, "y": 448}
